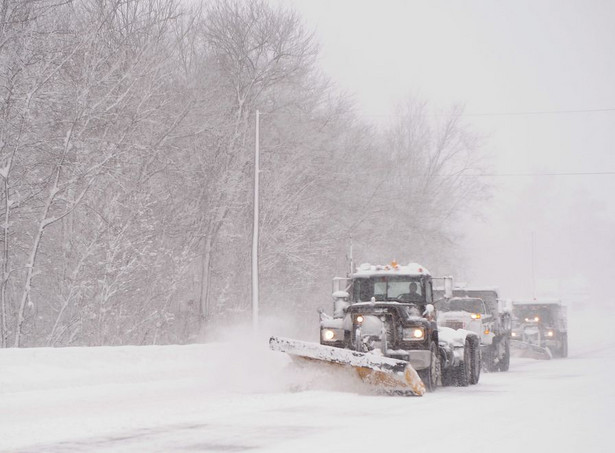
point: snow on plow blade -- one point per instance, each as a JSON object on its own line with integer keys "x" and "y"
{"x": 373, "y": 369}
{"x": 529, "y": 351}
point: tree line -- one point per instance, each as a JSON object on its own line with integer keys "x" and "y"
{"x": 126, "y": 171}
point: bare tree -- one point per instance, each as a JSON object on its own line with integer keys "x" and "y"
{"x": 94, "y": 93}
{"x": 126, "y": 170}
{"x": 426, "y": 167}
{"x": 252, "y": 47}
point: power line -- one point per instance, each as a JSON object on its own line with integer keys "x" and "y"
{"x": 540, "y": 112}
{"x": 360, "y": 113}
{"x": 580, "y": 173}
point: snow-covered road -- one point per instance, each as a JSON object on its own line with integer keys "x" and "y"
{"x": 225, "y": 398}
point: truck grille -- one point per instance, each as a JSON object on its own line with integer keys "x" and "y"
{"x": 454, "y": 324}
{"x": 373, "y": 330}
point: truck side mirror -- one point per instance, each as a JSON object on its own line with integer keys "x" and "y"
{"x": 448, "y": 287}
{"x": 340, "y": 295}
{"x": 340, "y": 302}
{"x": 322, "y": 315}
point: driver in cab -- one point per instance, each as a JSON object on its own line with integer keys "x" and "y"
{"x": 413, "y": 294}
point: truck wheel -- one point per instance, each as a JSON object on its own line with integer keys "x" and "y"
{"x": 504, "y": 363}
{"x": 476, "y": 363}
{"x": 431, "y": 375}
{"x": 489, "y": 359}
{"x": 448, "y": 378}
{"x": 464, "y": 370}
{"x": 564, "y": 349}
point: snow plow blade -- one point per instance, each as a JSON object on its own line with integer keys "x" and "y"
{"x": 375, "y": 370}
{"x": 529, "y": 351}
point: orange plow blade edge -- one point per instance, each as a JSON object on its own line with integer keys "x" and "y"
{"x": 374, "y": 369}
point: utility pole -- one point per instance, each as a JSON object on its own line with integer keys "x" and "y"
{"x": 255, "y": 227}
{"x": 351, "y": 258}
{"x": 533, "y": 263}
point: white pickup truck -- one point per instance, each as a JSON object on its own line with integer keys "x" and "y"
{"x": 475, "y": 315}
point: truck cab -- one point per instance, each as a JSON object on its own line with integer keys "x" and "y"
{"x": 468, "y": 313}
{"x": 360, "y": 303}
{"x": 542, "y": 324}
{"x": 496, "y": 324}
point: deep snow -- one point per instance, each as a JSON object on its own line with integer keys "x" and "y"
{"x": 231, "y": 397}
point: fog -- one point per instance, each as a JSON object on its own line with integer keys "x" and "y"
{"x": 536, "y": 82}
{"x": 474, "y": 139}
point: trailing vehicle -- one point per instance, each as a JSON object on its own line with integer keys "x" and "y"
{"x": 540, "y": 328}
{"x": 386, "y": 313}
{"x": 491, "y": 320}
{"x": 464, "y": 313}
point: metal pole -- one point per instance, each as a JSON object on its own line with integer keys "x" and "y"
{"x": 255, "y": 228}
{"x": 351, "y": 258}
{"x": 533, "y": 266}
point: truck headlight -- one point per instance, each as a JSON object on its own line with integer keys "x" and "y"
{"x": 330, "y": 335}
{"x": 550, "y": 333}
{"x": 359, "y": 319}
{"x": 475, "y": 316}
{"x": 414, "y": 333}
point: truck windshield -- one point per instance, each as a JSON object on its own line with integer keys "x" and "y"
{"x": 490, "y": 297}
{"x": 535, "y": 313}
{"x": 469, "y": 305}
{"x": 398, "y": 288}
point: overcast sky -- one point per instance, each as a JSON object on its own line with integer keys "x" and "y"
{"x": 537, "y": 79}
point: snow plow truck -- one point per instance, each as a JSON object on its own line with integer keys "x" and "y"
{"x": 384, "y": 326}
{"x": 480, "y": 310}
{"x": 540, "y": 329}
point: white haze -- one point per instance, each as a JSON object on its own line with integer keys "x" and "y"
{"x": 536, "y": 81}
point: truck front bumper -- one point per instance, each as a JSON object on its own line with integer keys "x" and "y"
{"x": 420, "y": 359}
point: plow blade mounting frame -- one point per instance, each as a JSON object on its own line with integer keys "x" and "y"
{"x": 530, "y": 351}
{"x": 371, "y": 368}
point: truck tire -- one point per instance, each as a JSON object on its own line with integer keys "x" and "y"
{"x": 564, "y": 348}
{"x": 489, "y": 363}
{"x": 431, "y": 375}
{"x": 448, "y": 377}
{"x": 504, "y": 363}
{"x": 476, "y": 363}
{"x": 464, "y": 370}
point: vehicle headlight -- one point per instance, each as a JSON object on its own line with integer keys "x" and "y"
{"x": 331, "y": 334}
{"x": 359, "y": 319}
{"x": 514, "y": 334}
{"x": 550, "y": 333}
{"x": 414, "y": 333}
{"x": 475, "y": 316}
